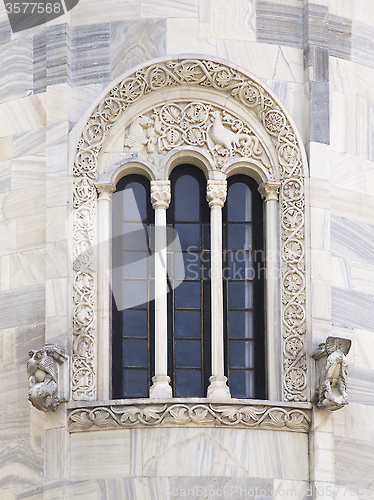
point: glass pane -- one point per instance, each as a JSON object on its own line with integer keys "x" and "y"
{"x": 239, "y": 203}
{"x": 191, "y": 267}
{"x": 241, "y": 354}
{"x": 187, "y": 295}
{"x": 134, "y": 294}
{"x": 240, "y": 295}
{"x": 135, "y": 324}
{"x": 187, "y": 199}
{"x": 187, "y": 324}
{"x": 188, "y": 353}
{"x": 189, "y": 236}
{"x": 134, "y": 237}
{"x": 242, "y": 383}
{"x": 135, "y": 352}
{"x": 239, "y": 266}
{"x": 240, "y": 236}
{"x": 134, "y": 265}
{"x": 134, "y": 202}
{"x": 135, "y": 383}
{"x": 240, "y": 325}
{"x": 187, "y": 383}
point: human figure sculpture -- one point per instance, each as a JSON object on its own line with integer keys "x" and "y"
{"x": 331, "y": 392}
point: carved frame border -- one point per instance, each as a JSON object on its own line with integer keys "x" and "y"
{"x": 252, "y": 96}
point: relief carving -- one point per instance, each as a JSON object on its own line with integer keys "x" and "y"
{"x": 42, "y": 372}
{"x": 196, "y": 124}
{"x": 188, "y": 414}
{"x": 331, "y": 393}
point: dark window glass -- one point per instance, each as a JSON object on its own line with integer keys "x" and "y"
{"x": 187, "y": 324}
{"x": 132, "y": 327}
{"x": 187, "y": 198}
{"x": 188, "y": 353}
{"x": 244, "y": 289}
{"x": 135, "y": 323}
{"x": 239, "y": 204}
{"x": 187, "y": 295}
{"x": 242, "y": 383}
{"x": 135, "y": 202}
{"x": 189, "y": 335}
{"x": 135, "y": 383}
{"x": 187, "y": 383}
{"x": 241, "y": 354}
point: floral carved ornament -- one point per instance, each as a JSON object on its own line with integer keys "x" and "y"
{"x": 224, "y": 136}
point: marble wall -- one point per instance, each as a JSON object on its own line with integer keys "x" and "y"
{"x": 317, "y": 56}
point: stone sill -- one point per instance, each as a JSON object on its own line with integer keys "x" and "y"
{"x": 188, "y": 412}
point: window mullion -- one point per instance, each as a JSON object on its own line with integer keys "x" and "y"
{"x": 216, "y": 197}
{"x": 160, "y": 197}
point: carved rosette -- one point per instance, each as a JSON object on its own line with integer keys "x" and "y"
{"x": 233, "y": 83}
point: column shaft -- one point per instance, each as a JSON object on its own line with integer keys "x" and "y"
{"x": 216, "y": 196}
{"x": 160, "y": 196}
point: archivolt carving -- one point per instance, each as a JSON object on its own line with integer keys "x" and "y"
{"x": 188, "y": 414}
{"x": 225, "y": 141}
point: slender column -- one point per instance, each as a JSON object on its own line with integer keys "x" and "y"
{"x": 269, "y": 193}
{"x": 104, "y": 293}
{"x": 160, "y": 198}
{"x": 216, "y": 197}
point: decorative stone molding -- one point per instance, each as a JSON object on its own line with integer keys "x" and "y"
{"x": 134, "y": 413}
{"x": 269, "y": 191}
{"x": 43, "y": 377}
{"x": 196, "y": 124}
{"x": 221, "y": 139}
{"x": 216, "y": 192}
{"x": 331, "y": 393}
{"x": 160, "y": 194}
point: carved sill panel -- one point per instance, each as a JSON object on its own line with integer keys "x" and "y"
{"x": 255, "y": 100}
{"x": 138, "y": 413}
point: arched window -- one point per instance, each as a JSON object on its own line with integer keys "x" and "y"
{"x": 132, "y": 304}
{"x": 189, "y": 312}
{"x": 189, "y": 300}
{"x": 243, "y": 275}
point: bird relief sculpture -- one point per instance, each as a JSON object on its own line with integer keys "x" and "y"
{"x": 42, "y": 372}
{"x": 195, "y": 124}
{"x": 331, "y": 393}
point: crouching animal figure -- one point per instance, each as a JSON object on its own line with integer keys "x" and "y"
{"x": 331, "y": 392}
{"x": 42, "y": 372}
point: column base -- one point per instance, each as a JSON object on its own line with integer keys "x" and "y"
{"x": 218, "y": 388}
{"x": 161, "y": 387}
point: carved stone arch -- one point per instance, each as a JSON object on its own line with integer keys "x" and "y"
{"x": 147, "y": 91}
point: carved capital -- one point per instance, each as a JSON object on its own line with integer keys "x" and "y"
{"x": 105, "y": 190}
{"x": 269, "y": 191}
{"x": 43, "y": 377}
{"x": 160, "y": 194}
{"x": 332, "y": 367}
{"x": 216, "y": 192}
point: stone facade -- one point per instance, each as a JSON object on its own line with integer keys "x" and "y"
{"x": 313, "y": 59}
